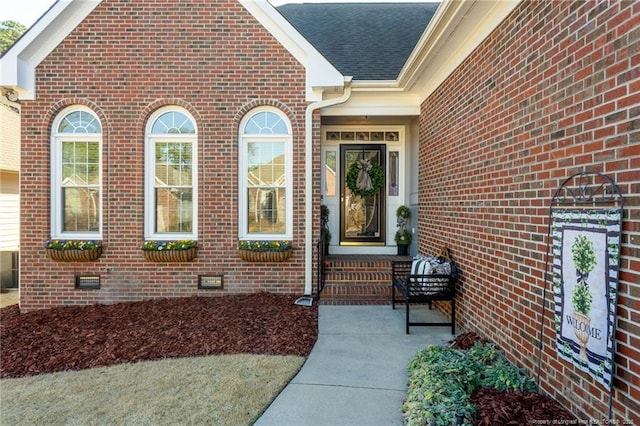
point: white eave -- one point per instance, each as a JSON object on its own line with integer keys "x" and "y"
{"x": 321, "y": 74}
{"x": 18, "y": 65}
{"x": 457, "y": 28}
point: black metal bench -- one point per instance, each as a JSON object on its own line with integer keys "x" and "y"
{"x": 421, "y": 289}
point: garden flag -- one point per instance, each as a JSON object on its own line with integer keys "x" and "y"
{"x": 586, "y": 253}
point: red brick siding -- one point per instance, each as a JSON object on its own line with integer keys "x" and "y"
{"x": 124, "y": 61}
{"x": 553, "y": 91}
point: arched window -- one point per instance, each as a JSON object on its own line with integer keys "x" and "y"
{"x": 265, "y": 175}
{"x": 170, "y": 175}
{"x": 76, "y": 175}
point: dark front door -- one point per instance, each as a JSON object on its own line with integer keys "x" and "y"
{"x": 362, "y": 218}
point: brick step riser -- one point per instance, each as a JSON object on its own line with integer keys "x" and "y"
{"x": 357, "y": 283}
{"x": 355, "y": 292}
{"x": 360, "y": 276}
{"x": 359, "y": 280}
{"x": 378, "y": 267}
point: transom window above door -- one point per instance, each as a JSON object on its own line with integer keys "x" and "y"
{"x": 362, "y": 136}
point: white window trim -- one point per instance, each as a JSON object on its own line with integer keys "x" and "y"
{"x": 244, "y": 140}
{"x": 56, "y": 175}
{"x": 149, "y": 163}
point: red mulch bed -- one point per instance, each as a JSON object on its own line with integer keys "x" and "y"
{"x": 76, "y": 338}
{"x": 510, "y": 408}
{"x": 466, "y": 341}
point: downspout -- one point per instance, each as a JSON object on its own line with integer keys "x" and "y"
{"x": 308, "y": 182}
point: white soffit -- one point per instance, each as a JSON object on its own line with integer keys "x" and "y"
{"x": 377, "y": 104}
{"x": 17, "y": 66}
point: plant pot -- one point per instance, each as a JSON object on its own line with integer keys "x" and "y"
{"x": 74, "y": 255}
{"x": 403, "y": 249}
{"x": 264, "y": 255}
{"x": 170, "y": 256}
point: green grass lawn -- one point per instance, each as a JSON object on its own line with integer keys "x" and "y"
{"x": 220, "y": 390}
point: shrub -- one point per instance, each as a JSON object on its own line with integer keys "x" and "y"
{"x": 441, "y": 381}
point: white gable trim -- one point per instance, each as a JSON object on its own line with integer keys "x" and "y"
{"x": 18, "y": 65}
{"x": 320, "y": 73}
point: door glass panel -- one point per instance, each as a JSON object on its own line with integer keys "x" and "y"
{"x": 394, "y": 176}
{"x": 362, "y": 218}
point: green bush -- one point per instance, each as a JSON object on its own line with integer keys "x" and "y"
{"x": 441, "y": 381}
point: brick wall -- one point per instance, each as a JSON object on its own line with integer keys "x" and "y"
{"x": 553, "y": 91}
{"x": 126, "y": 60}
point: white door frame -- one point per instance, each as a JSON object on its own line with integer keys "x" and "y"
{"x": 335, "y": 136}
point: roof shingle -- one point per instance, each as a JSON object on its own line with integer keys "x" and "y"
{"x": 369, "y": 41}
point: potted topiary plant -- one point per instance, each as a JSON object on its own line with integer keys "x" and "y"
{"x": 326, "y": 235}
{"x": 324, "y": 227}
{"x": 324, "y": 215}
{"x": 403, "y": 236}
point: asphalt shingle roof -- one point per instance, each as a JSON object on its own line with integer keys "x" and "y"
{"x": 369, "y": 41}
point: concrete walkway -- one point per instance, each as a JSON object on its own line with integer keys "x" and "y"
{"x": 356, "y": 373}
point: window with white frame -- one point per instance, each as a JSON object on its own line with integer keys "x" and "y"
{"x": 170, "y": 175}
{"x": 265, "y": 175}
{"x": 76, "y": 175}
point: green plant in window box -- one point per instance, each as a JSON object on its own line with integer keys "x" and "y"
{"x": 264, "y": 250}
{"x": 156, "y": 245}
{"x": 170, "y": 250}
{"x": 73, "y": 250}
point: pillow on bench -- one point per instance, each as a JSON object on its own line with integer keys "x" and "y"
{"x": 423, "y": 265}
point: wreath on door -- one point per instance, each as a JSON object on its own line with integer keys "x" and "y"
{"x": 365, "y": 178}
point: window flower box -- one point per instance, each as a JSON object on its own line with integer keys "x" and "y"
{"x": 170, "y": 251}
{"x": 73, "y": 250}
{"x": 265, "y": 251}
